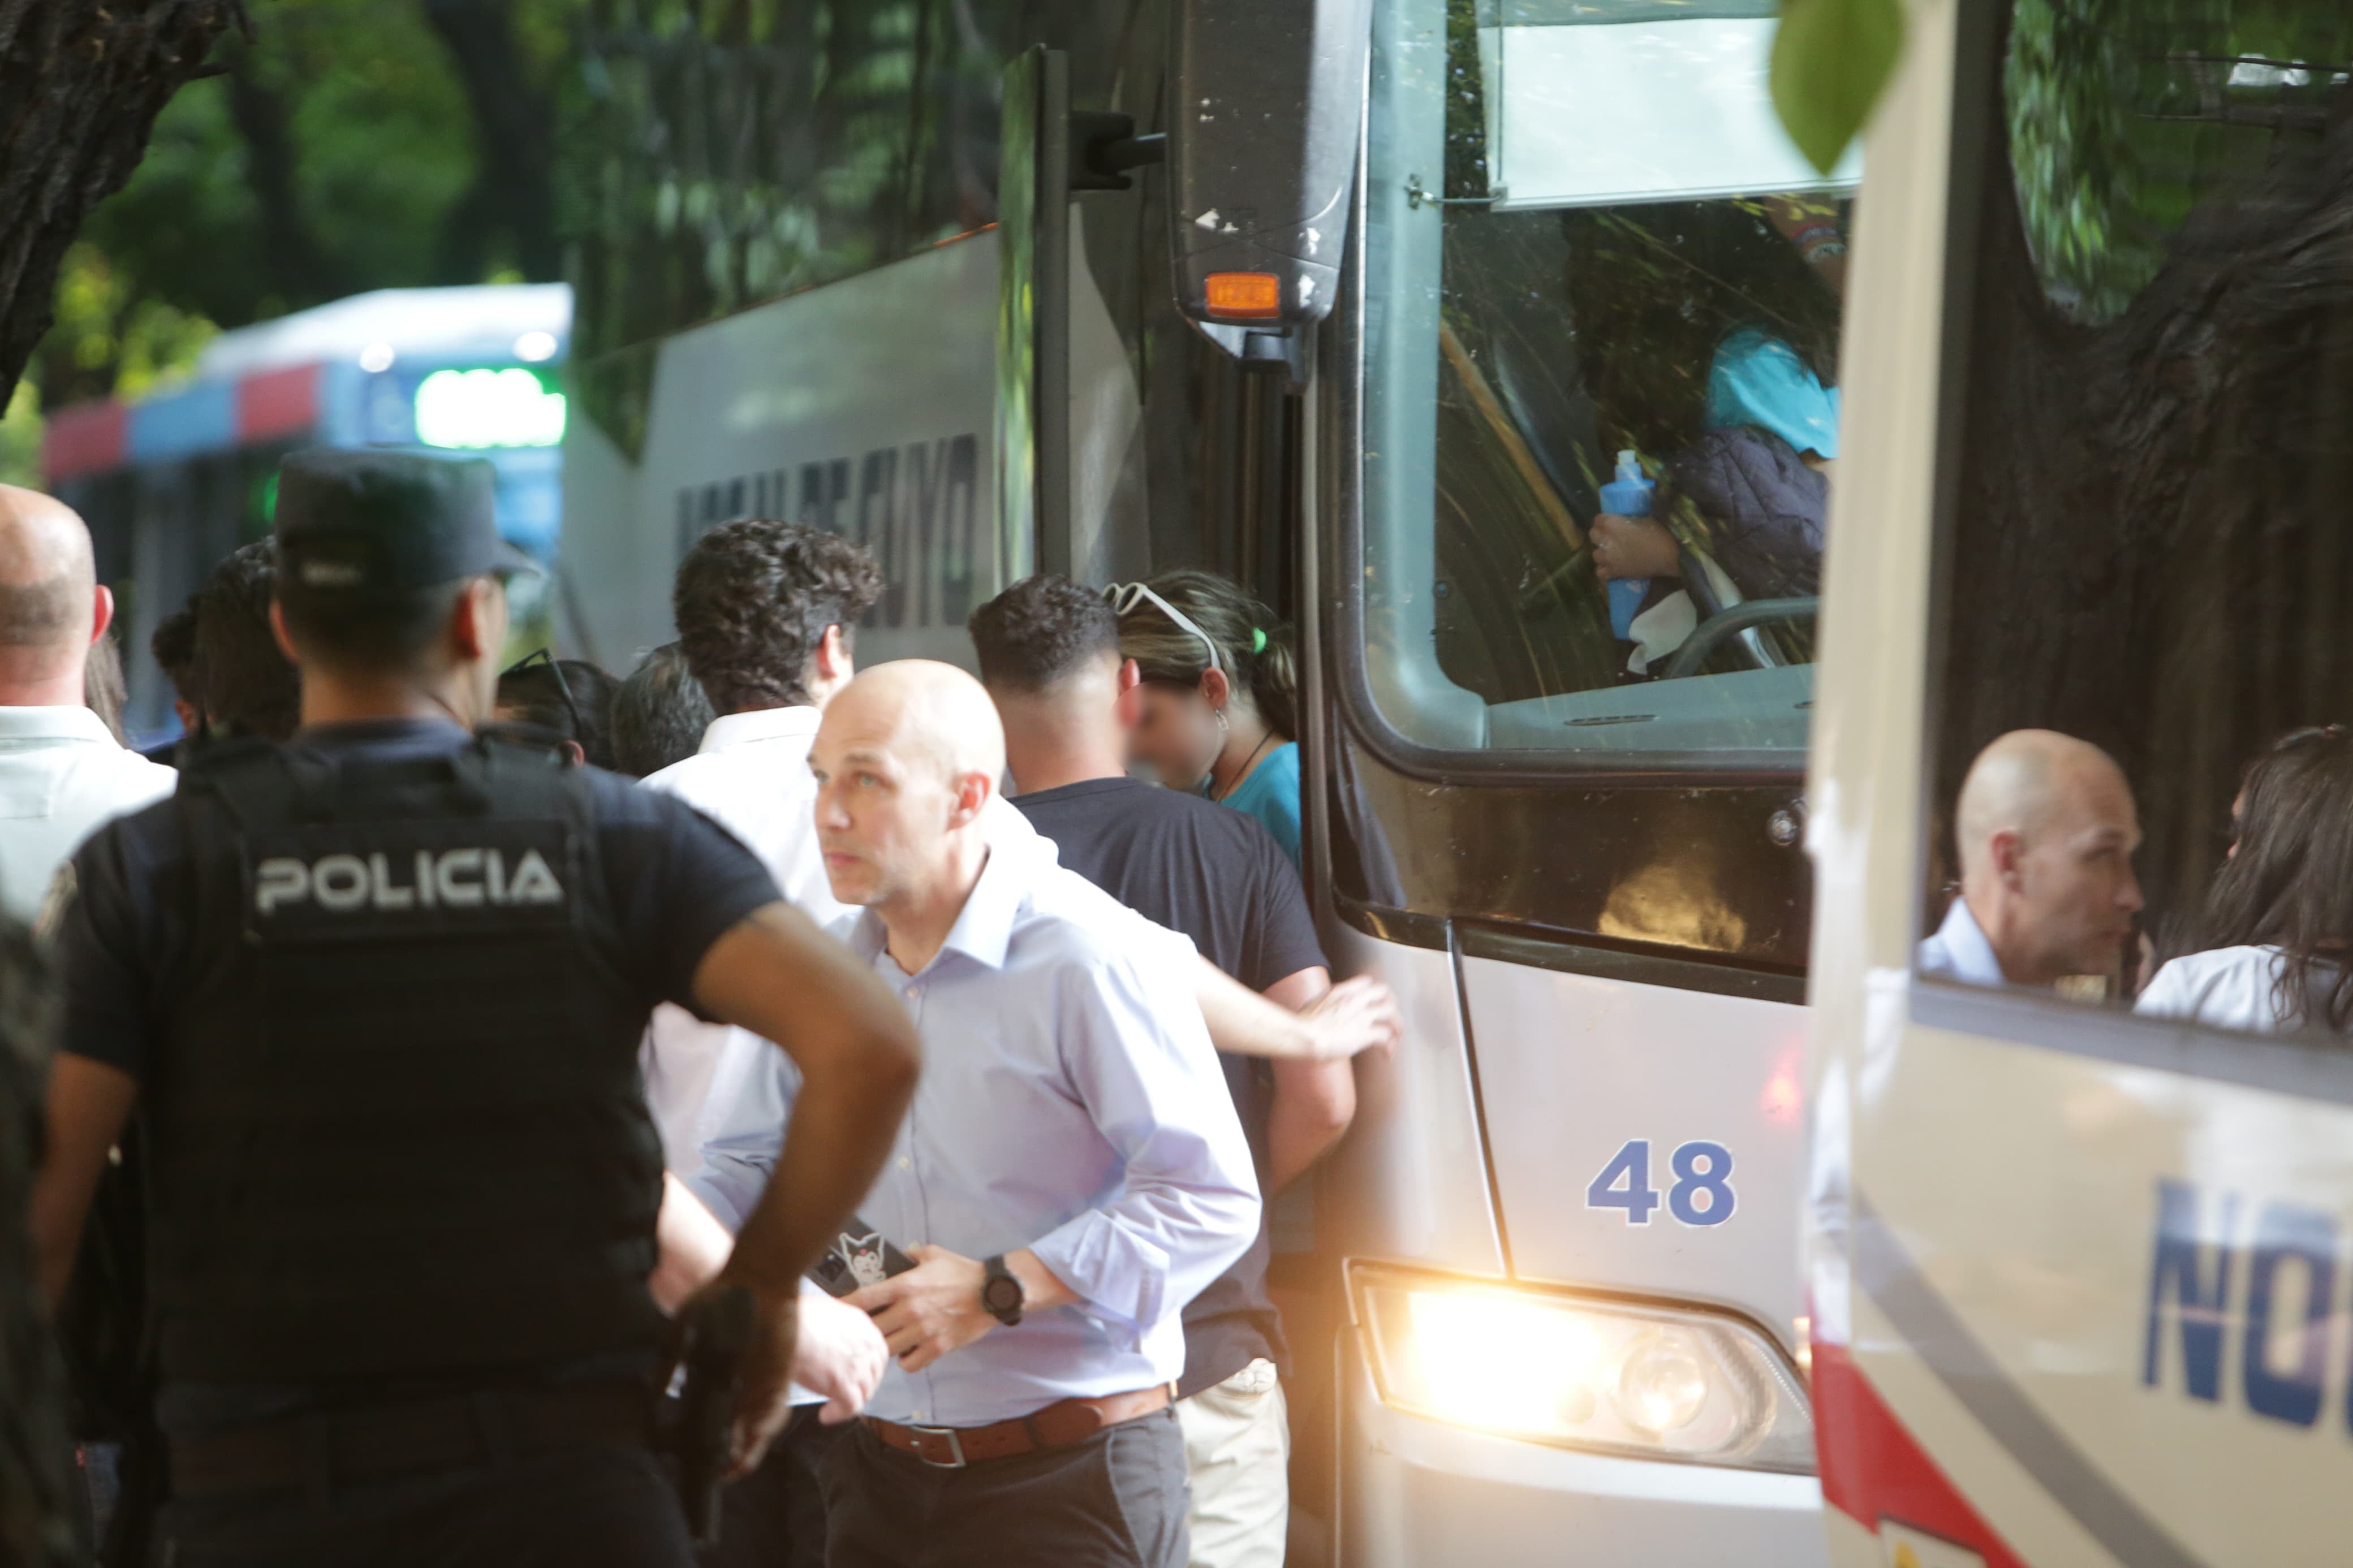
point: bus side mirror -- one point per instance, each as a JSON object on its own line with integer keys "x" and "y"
{"x": 1265, "y": 100}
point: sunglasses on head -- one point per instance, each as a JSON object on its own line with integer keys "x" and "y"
{"x": 1125, "y": 596}
{"x": 562, "y": 689}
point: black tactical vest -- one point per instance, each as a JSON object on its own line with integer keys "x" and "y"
{"x": 399, "y": 1128}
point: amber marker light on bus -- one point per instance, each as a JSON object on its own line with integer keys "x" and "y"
{"x": 1245, "y": 296}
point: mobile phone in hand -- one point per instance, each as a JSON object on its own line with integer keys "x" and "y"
{"x": 860, "y": 1255}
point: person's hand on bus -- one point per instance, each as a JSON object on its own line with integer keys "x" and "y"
{"x": 1633, "y": 547}
{"x": 1355, "y": 1015}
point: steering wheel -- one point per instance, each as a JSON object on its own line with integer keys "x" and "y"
{"x": 1730, "y": 622}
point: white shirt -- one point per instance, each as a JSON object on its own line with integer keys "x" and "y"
{"x": 1960, "y": 951}
{"x": 2231, "y": 988}
{"x": 62, "y": 776}
{"x": 1069, "y": 1103}
{"x": 751, "y": 775}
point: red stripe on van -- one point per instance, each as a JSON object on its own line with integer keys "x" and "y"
{"x": 1872, "y": 1469}
{"x": 277, "y": 403}
{"x": 86, "y": 438}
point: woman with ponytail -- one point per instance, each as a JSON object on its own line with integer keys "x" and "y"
{"x": 1220, "y": 694}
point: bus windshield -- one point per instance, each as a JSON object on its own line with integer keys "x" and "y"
{"x": 1601, "y": 403}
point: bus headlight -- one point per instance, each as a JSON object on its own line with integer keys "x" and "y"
{"x": 1583, "y": 1372}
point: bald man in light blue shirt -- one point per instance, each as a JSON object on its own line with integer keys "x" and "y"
{"x": 1072, "y": 1173}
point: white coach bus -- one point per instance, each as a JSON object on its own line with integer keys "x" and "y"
{"x": 2077, "y": 1276}
{"x": 1356, "y": 302}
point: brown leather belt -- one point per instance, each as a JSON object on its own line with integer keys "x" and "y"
{"x": 373, "y": 1442}
{"x": 1056, "y": 1426}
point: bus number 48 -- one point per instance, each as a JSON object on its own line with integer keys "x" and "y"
{"x": 1702, "y": 1192}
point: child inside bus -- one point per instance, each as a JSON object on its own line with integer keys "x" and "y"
{"x": 2269, "y": 951}
{"x": 1220, "y": 694}
{"x": 1745, "y": 289}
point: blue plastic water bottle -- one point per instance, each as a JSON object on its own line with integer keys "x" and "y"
{"x": 1628, "y": 495}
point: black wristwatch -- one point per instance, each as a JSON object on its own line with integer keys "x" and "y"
{"x": 1000, "y": 1292}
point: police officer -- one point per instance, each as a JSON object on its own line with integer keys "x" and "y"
{"x": 378, "y": 994}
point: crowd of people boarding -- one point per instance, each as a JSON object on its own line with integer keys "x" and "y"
{"x": 477, "y": 1016}
{"x": 1056, "y": 1331}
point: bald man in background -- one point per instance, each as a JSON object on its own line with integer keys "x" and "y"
{"x": 2047, "y": 831}
{"x": 62, "y": 772}
{"x": 1072, "y": 1173}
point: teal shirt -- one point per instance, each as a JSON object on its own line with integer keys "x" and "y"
{"x": 1270, "y": 794}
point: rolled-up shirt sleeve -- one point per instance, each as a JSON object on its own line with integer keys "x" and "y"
{"x": 1135, "y": 1050}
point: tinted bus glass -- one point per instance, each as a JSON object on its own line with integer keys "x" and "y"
{"x": 1587, "y": 234}
{"x": 2147, "y": 544}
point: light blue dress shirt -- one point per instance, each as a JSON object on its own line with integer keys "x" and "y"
{"x": 1960, "y": 951}
{"x": 1069, "y": 1103}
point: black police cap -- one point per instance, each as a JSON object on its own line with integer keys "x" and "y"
{"x": 370, "y": 522}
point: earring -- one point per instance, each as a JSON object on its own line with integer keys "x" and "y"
{"x": 1221, "y": 719}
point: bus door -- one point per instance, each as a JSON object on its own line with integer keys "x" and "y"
{"x": 1480, "y": 260}
{"x": 1563, "y": 815}
{"x": 2077, "y": 1255}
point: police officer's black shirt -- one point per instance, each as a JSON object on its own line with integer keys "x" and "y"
{"x": 675, "y": 879}
{"x": 1220, "y": 877}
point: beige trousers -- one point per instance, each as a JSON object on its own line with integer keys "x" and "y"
{"x": 1238, "y": 1449}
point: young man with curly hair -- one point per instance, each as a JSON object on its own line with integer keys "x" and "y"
{"x": 766, "y": 615}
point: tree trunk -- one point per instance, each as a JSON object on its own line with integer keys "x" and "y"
{"x": 295, "y": 267}
{"x": 2150, "y": 545}
{"x": 80, "y": 84}
{"x": 514, "y": 141}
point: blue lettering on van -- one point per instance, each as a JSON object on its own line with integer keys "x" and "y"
{"x": 915, "y": 507}
{"x": 2289, "y": 1261}
{"x": 1702, "y": 1194}
{"x": 2290, "y": 1233}
{"x": 2199, "y": 1292}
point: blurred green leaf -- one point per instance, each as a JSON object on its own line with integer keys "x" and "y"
{"x": 20, "y": 438}
{"x": 1832, "y": 59}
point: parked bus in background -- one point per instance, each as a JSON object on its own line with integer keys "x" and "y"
{"x": 2077, "y": 1266}
{"x": 1358, "y": 302}
{"x": 175, "y": 480}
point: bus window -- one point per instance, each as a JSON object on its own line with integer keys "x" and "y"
{"x": 2145, "y": 539}
{"x": 1587, "y": 236}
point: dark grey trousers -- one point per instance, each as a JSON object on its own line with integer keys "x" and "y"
{"x": 584, "y": 1507}
{"x": 1116, "y": 1500}
{"x": 775, "y": 1516}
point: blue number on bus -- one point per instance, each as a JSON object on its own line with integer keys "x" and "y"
{"x": 1636, "y": 1198}
{"x": 1691, "y": 1182}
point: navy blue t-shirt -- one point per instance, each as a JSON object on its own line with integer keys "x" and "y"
{"x": 675, "y": 882}
{"x": 1220, "y": 877}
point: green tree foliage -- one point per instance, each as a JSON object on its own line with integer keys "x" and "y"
{"x": 350, "y": 144}
{"x": 2123, "y": 112}
{"x": 718, "y": 154}
{"x": 723, "y": 154}
{"x": 20, "y": 437}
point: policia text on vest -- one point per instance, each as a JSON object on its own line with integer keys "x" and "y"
{"x": 470, "y": 877}
{"x": 376, "y": 997}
